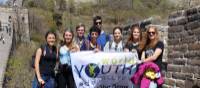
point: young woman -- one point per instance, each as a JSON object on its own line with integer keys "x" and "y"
{"x": 154, "y": 48}
{"x": 116, "y": 45}
{"x": 45, "y": 61}
{"x": 135, "y": 42}
{"x": 80, "y": 38}
{"x": 94, "y": 33}
{"x": 65, "y": 78}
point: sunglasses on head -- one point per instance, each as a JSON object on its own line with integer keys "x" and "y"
{"x": 96, "y": 23}
{"x": 152, "y": 33}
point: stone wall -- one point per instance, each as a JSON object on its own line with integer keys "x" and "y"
{"x": 183, "y": 68}
{"x": 19, "y": 22}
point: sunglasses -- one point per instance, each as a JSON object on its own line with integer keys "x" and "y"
{"x": 96, "y": 23}
{"x": 152, "y": 33}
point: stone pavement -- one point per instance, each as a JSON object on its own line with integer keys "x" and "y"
{"x": 4, "y": 54}
{"x": 4, "y": 48}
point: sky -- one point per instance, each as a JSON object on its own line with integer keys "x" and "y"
{"x": 3, "y": 1}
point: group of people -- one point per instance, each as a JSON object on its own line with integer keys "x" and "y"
{"x": 146, "y": 44}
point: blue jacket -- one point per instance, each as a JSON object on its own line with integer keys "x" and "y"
{"x": 84, "y": 45}
{"x": 101, "y": 40}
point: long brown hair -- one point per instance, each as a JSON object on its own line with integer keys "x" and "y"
{"x": 141, "y": 40}
{"x": 116, "y": 28}
{"x": 71, "y": 44}
{"x": 152, "y": 44}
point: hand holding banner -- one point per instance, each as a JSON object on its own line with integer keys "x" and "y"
{"x": 103, "y": 69}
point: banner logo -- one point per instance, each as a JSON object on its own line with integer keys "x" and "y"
{"x": 92, "y": 70}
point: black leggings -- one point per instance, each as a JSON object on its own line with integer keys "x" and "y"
{"x": 65, "y": 77}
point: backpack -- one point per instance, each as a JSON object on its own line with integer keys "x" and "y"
{"x": 43, "y": 47}
{"x": 110, "y": 44}
{"x": 108, "y": 37}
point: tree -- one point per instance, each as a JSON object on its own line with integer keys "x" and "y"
{"x": 57, "y": 17}
{"x": 62, "y": 5}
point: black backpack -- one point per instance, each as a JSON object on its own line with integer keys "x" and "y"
{"x": 43, "y": 47}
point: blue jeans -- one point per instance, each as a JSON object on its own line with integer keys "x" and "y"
{"x": 49, "y": 82}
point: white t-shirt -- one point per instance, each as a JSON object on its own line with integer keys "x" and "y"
{"x": 112, "y": 46}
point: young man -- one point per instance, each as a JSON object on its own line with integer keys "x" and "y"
{"x": 103, "y": 37}
{"x": 80, "y": 38}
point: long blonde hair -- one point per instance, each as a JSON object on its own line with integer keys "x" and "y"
{"x": 72, "y": 44}
{"x": 152, "y": 44}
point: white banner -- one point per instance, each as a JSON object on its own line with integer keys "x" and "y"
{"x": 103, "y": 69}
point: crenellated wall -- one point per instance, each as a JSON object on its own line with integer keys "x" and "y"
{"x": 15, "y": 28}
{"x": 19, "y": 22}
